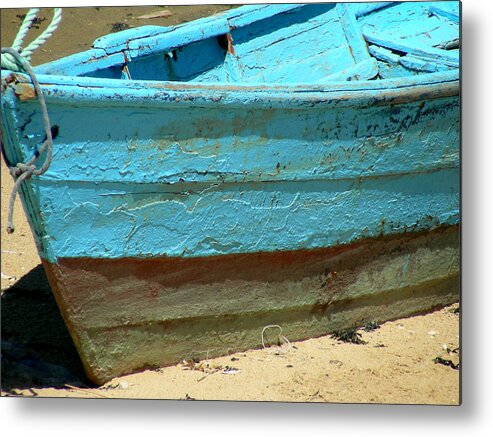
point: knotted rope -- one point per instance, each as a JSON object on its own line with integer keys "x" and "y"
{"x": 16, "y": 59}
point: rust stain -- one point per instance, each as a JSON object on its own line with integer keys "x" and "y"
{"x": 126, "y": 71}
{"x": 175, "y": 272}
{"x": 24, "y": 92}
{"x": 385, "y": 97}
{"x": 154, "y": 291}
{"x": 12, "y": 78}
{"x": 351, "y": 51}
{"x": 81, "y": 284}
{"x": 231, "y": 49}
{"x": 94, "y": 59}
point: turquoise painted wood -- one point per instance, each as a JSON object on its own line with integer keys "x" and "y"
{"x": 265, "y": 128}
{"x": 289, "y": 164}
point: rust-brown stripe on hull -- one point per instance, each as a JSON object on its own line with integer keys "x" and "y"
{"x": 130, "y": 314}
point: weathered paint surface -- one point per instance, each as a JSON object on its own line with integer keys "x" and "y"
{"x": 212, "y": 178}
{"x": 129, "y": 314}
{"x": 261, "y": 44}
{"x": 207, "y": 181}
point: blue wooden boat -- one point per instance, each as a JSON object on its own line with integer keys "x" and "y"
{"x": 295, "y": 165}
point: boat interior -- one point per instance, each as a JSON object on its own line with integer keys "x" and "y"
{"x": 281, "y": 44}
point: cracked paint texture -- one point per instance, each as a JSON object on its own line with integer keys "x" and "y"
{"x": 241, "y": 181}
{"x": 148, "y": 169}
{"x": 268, "y": 163}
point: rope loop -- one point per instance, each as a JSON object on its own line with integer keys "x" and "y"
{"x": 17, "y": 59}
{"x": 24, "y": 170}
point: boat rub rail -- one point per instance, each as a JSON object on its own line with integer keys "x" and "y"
{"x": 87, "y": 90}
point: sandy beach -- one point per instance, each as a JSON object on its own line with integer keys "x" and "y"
{"x": 408, "y": 361}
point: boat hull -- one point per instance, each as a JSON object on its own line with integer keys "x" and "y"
{"x": 165, "y": 240}
{"x": 178, "y": 177}
{"x": 131, "y": 314}
{"x": 182, "y": 213}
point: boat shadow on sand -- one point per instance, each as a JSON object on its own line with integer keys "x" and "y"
{"x": 37, "y": 350}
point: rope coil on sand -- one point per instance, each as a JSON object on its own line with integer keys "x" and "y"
{"x": 15, "y": 59}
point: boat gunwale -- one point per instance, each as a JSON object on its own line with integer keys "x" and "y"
{"x": 87, "y": 89}
{"x": 114, "y": 50}
{"x": 375, "y": 92}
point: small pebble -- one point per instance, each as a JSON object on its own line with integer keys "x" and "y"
{"x": 432, "y": 333}
{"x": 124, "y": 385}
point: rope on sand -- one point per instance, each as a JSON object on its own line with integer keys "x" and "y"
{"x": 279, "y": 337}
{"x": 8, "y": 61}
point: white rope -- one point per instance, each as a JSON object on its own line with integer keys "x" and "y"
{"x": 280, "y": 336}
{"x": 17, "y": 59}
{"x": 23, "y": 171}
{"x": 41, "y": 39}
{"x": 26, "y": 25}
{"x": 8, "y": 61}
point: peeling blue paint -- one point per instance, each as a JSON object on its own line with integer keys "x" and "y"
{"x": 247, "y": 143}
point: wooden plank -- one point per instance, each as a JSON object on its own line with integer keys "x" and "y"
{"x": 388, "y": 71}
{"x": 162, "y": 38}
{"x": 437, "y": 55}
{"x": 441, "y": 12}
{"x": 82, "y": 63}
{"x": 259, "y": 12}
{"x": 362, "y": 9}
{"x": 353, "y": 33}
{"x": 313, "y": 68}
{"x": 364, "y": 70}
{"x": 178, "y": 37}
{"x": 317, "y": 28}
{"x": 114, "y": 42}
{"x": 423, "y": 65}
{"x": 383, "y": 54}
